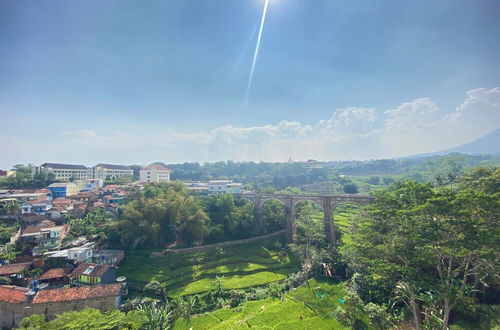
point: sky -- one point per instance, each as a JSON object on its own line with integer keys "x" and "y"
{"x": 133, "y": 82}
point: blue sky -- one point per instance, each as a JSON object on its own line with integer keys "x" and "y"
{"x": 138, "y": 81}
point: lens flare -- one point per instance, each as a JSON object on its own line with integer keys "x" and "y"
{"x": 257, "y": 47}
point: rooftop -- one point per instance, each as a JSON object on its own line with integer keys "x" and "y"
{"x": 61, "y": 184}
{"x": 156, "y": 167}
{"x": 14, "y": 268}
{"x": 64, "y": 166}
{"x": 113, "y": 167}
{"x": 55, "y": 273}
{"x": 12, "y": 294}
{"x": 89, "y": 269}
{"x": 77, "y": 293}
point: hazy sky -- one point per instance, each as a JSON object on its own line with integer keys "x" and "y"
{"x": 124, "y": 81}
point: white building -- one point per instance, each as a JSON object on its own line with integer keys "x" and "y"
{"x": 82, "y": 253}
{"x": 64, "y": 171}
{"x": 155, "y": 173}
{"x": 224, "y": 187}
{"x": 80, "y": 172}
{"x": 104, "y": 171}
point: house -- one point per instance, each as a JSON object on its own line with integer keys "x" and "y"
{"x": 16, "y": 272}
{"x": 25, "y": 197}
{"x": 56, "y": 301}
{"x": 45, "y": 194}
{"x": 111, "y": 188}
{"x": 109, "y": 257}
{"x": 13, "y": 305}
{"x": 64, "y": 171}
{"x": 44, "y": 236}
{"x": 154, "y": 173}
{"x": 56, "y": 276}
{"x": 88, "y": 273}
{"x": 65, "y": 203}
{"x": 82, "y": 253}
{"x": 224, "y": 187}
{"x": 109, "y": 171}
{"x": 55, "y": 213}
{"x": 63, "y": 189}
{"x": 35, "y": 208}
{"x": 84, "y": 197}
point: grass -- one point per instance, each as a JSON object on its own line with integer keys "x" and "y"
{"x": 302, "y": 308}
{"x": 241, "y": 267}
{"x": 228, "y": 282}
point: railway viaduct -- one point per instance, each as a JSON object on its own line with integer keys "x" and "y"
{"x": 327, "y": 203}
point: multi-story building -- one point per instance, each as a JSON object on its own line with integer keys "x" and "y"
{"x": 154, "y": 173}
{"x": 109, "y": 171}
{"x": 224, "y": 187}
{"x": 44, "y": 237}
{"x": 63, "y": 189}
{"x": 65, "y": 171}
{"x": 68, "y": 172}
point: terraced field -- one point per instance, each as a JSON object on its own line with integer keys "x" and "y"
{"x": 241, "y": 266}
{"x": 342, "y": 216}
{"x": 308, "y": 307}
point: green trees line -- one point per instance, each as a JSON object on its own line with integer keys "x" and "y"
{"x": 431, "y": 251}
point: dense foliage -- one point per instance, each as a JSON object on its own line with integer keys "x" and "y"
{"x": 434, "y": 250}
{"x": 282, "y": 175}
{"x": 23, "y": 178}
{"x": 165, "y": 213}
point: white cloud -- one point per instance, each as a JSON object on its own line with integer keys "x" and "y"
{"x": 478, "y": 114}
{"x": 418, "y": 113}
{"x": 413, "y": 127}
{"x": 350, "y": 121}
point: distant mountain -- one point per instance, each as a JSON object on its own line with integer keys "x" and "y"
{"x": 488, "y": 144}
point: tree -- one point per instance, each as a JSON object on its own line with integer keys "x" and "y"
{"x": 350, "y": 188}
{"x": 157, "y": 317}
{"x": 428, "y": 248}
{"x": 13, "y": 209}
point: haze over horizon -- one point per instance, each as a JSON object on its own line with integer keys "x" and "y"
{"x": 135, "y": 82}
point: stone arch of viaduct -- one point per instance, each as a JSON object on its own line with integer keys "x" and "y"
{"x": 327, "y": 202}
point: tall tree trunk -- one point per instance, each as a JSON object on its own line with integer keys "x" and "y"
{"x": 446, "y": 316}
{"x": 415, "y": 308}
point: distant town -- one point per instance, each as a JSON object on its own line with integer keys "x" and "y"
{"x": 79, "y": 274}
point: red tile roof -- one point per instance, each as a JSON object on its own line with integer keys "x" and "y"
{"x": 156, "y": 167}
{"x": 61, "y": 201}
{"x": 57, "y": 208}
{"x": 77, "y": 293}
{"x": 111, "y": 186}
{"x": 54, "y": 273}
{"x": 10, "y": 269}
{"x": 12, "y": 294}
{"x": 35, "y": 229}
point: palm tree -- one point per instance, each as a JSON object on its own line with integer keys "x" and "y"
{"x": 157, "y": 318}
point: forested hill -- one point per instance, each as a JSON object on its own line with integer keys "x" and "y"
{"x": 295, "y": 174}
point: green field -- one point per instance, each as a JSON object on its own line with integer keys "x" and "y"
{"x": 342, "y": 217}
{"x": 241, "y": 267}
{"x": 308, "y": 307}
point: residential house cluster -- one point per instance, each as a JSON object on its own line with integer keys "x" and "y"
{"x": 68, "y": 280}
{"x": 52, "y": 277}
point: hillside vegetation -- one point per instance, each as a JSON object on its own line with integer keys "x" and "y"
{"x": 241, "y": 267}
